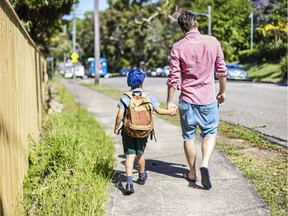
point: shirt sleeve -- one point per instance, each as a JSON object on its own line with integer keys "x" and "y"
{"x": 153, "y": 101}
{"x": 174, "y": 69}
{"x": 123, "y": 102}
{"x": 220, "y": 65}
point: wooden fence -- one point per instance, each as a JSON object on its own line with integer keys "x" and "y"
{"x": 22, "y": 86}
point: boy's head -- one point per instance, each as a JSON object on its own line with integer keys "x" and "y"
{"x": 135, "y": 78}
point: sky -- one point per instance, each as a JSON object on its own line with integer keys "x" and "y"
{"x": 88, "y": 5}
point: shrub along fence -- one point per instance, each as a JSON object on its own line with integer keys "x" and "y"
{"x": 22, "y": 104}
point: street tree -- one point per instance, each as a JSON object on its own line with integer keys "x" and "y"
{"x": 42, "y": 19}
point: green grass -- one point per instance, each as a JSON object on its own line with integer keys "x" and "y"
{"x": 268, "y": 173}
{"x": 70, "y": 170}
{"x": 266, "y": 72}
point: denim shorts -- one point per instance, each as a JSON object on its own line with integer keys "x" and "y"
{"x": 133, "y": 145}
{"x": 204, "y": 116}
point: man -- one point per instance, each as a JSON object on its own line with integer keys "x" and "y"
{"x": 192, "y": 63}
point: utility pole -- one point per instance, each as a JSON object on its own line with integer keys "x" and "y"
{"x": 96, "y": 43}
{"x": 74, "y": 29}
{"x": 251, "y": 16}
{"x": 208, "y": 15}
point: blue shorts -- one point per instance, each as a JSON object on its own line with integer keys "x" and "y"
{"x": 204, "y": 116}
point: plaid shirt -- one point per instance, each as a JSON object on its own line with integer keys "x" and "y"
{"x": 193, "y": 60}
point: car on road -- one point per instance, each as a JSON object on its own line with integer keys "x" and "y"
{"x": 234, "y": 72}
{"x": 165, "y": 72}
{"x": 124, "y": 71}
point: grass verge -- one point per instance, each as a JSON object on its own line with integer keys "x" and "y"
{"x": 70, "y": 170}
{"x": 264, "y": 164}
{"x": 266, "y": 72}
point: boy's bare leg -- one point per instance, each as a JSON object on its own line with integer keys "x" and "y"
{"x": 129, "y": 164}
{"x": 191, "y": 154}
{"x": 141, "y": 163}
{"x": 208, "y": 145}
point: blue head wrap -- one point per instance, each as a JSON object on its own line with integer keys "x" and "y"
{"x": 135, "y": 78}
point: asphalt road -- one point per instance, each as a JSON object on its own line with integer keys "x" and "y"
{"x": 258, "y": 106}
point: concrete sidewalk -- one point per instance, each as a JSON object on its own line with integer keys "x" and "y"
{"x": 166, "y": 192}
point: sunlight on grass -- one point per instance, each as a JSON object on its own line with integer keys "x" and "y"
{"x": 267, "y": 72}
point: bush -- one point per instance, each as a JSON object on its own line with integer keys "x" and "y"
{"x": 262, "y": 53}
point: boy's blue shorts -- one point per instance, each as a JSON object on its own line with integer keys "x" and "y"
{"x": 133, "y": 145}
{"x": 204, "y": 116}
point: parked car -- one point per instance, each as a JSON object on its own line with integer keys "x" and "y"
{"x": 151, "y": 72}
{"x": 79, "y": 71}
{"x": 124, "y": 71}
{"x": 165, "y": 71}
{"x": 235, "y": 72}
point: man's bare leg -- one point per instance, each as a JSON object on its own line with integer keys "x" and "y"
{"x": 208, "y": 145}
{"x": 191, "y": 154}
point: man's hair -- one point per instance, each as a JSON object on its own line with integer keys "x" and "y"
{"x": 186, "y": 21}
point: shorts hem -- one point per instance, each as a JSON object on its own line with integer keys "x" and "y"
{"x": 189, "y": 140}
{"x": 209, "y": 135}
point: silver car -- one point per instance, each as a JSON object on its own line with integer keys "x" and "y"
{"x": 235, "y": 72}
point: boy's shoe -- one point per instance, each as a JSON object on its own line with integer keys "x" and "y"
{"x": 129, "y": 189}
{"x": 142, "y": 180}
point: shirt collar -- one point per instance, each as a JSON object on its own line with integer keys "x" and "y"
{"x": 136, "y": 90}
{"x": 192, "y": 34}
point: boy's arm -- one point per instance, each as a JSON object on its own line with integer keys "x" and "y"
{"x": 161, "y": 111}
{"x": 118, "y": 120}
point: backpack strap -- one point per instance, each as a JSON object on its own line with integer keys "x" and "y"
{"x": 130, "y": 94}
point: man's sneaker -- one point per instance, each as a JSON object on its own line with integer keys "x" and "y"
{"x": 142, "y": 180}
{"x": 129, "y": 189}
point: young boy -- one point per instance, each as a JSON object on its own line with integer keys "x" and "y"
{"x": 135, "y": 146}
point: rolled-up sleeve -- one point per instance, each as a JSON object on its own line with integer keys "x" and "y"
{"x": 174, "y": 69}
{"x": 220, "y": 65}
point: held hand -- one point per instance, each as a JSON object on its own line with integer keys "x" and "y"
{"x": 171, "y": 105}
{"x": 174, "y": 111}
{"x": 221, "y": 98}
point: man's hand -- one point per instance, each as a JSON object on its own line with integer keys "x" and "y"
{"x": 174, "y": 111}
{"x": 171, "y": 105}
{"x": 221, "y": 98}
{"x": 116, "y": 131}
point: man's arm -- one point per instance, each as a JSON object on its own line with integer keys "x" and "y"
{"x": 222, "y": 88}
{"x": 170, "y": 96}
{"x": 173, "y": 77}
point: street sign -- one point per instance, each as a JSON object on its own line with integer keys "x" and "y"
{"x": 74, "y": 57}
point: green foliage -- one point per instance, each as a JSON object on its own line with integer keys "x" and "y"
{"x": 71, "y": 168}
{"x": 263, "y": 52}
{"x": 42, "y": 19}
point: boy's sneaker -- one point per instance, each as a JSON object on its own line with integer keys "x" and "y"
{"x": 129, "y": 189}
{"x": 142, "y": 180}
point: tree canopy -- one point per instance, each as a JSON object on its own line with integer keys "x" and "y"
{"x": 42, "y": 19}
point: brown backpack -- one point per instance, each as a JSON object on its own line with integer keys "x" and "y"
{"x": 138, "y": 119}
